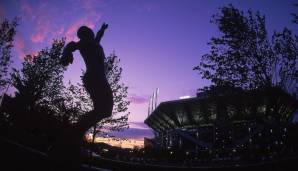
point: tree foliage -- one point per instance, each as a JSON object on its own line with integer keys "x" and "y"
{"x": 246, "y": 61}
{"x": 295, "y": 16}
{"x": 40, "y": 80}
{"x": 46, "y": 104}
{"x": 7, "y": 34}
{"x": 244, "y": 55}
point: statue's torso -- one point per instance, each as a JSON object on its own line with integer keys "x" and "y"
{"x": 93, "y": 56}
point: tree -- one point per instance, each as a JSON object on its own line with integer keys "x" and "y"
{"x": 76, "y": 102}
{"x": 39, "y": 84}
{"x": 118, "y": 120}
{"x": 40, "y": 79}
{"x": 295, "y": 16}
{"x": 42, "y": 97}
{"x": 7, "y": 33}
{"x": 245, "y": 57}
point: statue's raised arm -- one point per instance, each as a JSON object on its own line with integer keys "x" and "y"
{"x": 100, "y": 32}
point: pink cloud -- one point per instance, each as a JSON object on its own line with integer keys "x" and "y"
{"x": 2, "y": 12}
{"x": 44, "y": 19}
{"x": 22, "y": 48}
{"x": 26, "y": 9}
{"x": 71, "y": 32}
{"x": 135, "y": 99}
{"x": 42, "y": 29}
{"x": 91, "y": 19}
{"x": 90, "y": 5}
{"x": 19, "y": 45}
{"x": 39, "y": 17}
{"x": 59, "y": 31}
{"x": 38, "y": 37}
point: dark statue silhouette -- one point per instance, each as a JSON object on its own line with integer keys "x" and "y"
{"x": 96, "y": 85}
{"x": 94, "y": 79}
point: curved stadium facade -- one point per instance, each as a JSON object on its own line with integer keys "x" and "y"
{"x": 216, "y": 128}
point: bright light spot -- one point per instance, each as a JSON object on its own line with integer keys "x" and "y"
{"x": 184, "y": 97}
{"x": 130, "y": 143}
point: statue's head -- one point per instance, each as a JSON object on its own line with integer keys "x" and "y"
{"x": 85, "y": 33}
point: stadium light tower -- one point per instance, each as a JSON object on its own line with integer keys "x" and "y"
{"x": 153, "y": 101}
{"x": 156, "y": 95}
{"x": 149, "y": 107}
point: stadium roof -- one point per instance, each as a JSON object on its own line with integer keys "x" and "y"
{"x": 184, "y": 113}
{"x": 208, "y": 107}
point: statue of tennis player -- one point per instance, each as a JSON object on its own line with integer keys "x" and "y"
{"x": 94, "y": 79}
{"x": 96, "y": 84}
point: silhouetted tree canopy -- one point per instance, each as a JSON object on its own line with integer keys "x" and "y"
{"x": 245, "y": 56}
{"x": 44, "y": 103}
{"x": 39, "y": 92}
{"x": 295, "y": 15}
{"x": 257, "y": 73}
{"x": 7, "y": 33}
{"x": 39, "y": 82}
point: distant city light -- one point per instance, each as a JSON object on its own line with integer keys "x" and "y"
{"x": 129, "y": 144}
{"x": 184, "y": 97}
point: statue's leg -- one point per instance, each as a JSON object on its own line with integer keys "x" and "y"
{"x": 102, "y": 98}
{"x": 103, "y": 106}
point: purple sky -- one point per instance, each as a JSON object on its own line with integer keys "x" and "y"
{"x": 159, "y": 42}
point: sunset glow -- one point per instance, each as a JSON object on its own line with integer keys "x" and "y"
{"x": 121, "y": 143}
{"x": 130, "y": 143}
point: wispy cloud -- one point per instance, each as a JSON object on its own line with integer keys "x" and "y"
{"x": 138, "y": 125}
{"x": 43, "y": 21}
{"x": 137, "y": 99}
{"x": 49, "y": 21}
{"x": 134, "y": 133}
{"x": 21, "y": 47}
{"x": 2, "y": 12}
{"x": 26, "y": 9}
{"x": 72, "y": 29}
{"x": 37, "y": 37}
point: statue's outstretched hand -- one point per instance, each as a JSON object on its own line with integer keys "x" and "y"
{"x": 104, "y": 26}
{"x": 67, "y": 58}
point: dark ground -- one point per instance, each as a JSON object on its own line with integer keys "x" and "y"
{"x": 17, "y": 157}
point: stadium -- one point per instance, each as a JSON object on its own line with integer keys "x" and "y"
{"x": 223, "y": 127}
